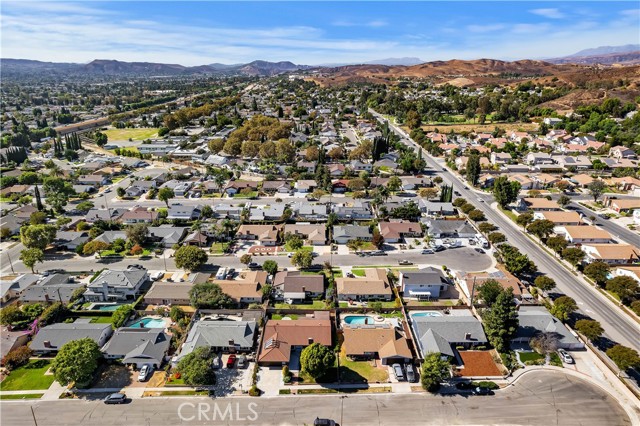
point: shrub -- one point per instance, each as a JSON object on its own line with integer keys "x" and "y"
{"x": 17, "y": 357}
{"x": 254, "y": 391}
{"x": 486, "y": 384}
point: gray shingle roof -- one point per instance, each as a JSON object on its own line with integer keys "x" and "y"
{"x": 59, "y": 334}
{"x": 535, "y": 320}
{"x": 453, "y": 329}
{"x": 218, "y": 334}
{"x": 138, "y": 345}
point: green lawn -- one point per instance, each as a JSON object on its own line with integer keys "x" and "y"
{"x": 134, "y": 134}
{"x": 356, "y": 370}
{"x": 358, "y": 272}
{"x": 303, "y": 248}
{"x": 530, "y": 356}
{"x": 317, "y": 304}
{"x": 22, "y": 396}
{"x": 252, "y": 194}
{"x": 218, "y": 248}
{"x": 29, "y": 377}
{"x": 276, "y": 317}
{"x": 101, "y": 320}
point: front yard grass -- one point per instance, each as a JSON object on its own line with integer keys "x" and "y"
{"x": 355, "y": 371}
{"x": 29, "y": 377}
{"x": 303, "y": 248}
{"x": 218, "y": 248}
{"x": 358, "y": 272}
{"x": 22, "y": 396}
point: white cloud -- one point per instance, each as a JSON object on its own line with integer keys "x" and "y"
{"x": 489, "y": 28}
{"x": 376, "y": 23}
{"x": 548, "y": 13}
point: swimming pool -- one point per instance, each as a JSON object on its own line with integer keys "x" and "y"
{"x": 426, "y": 314}
{"x": 149, "y": 323}
{"x": 104, "y": 306}
{"x": 359, "y": 319}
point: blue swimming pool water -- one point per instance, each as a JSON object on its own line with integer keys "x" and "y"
{"x": 426, "y": 314}
{"x": 100, "y": 307}
{"x": 358, "y": 319}
{"x": 149, "y": 323}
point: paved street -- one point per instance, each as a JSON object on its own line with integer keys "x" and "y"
{"x": 617, "y": 325}
{"x": 537, "y": 398}
{"x": 464, "y": 259}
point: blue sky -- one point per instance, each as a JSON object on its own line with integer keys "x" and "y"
{"x": 195, "y": 33}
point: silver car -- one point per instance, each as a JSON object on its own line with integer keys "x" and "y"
{"x": 566, "y": 358}
{"x": 397, "y": 371}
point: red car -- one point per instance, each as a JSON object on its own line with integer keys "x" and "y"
{"x": 231, "y": 361}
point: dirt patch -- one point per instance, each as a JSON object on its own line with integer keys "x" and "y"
{"x": 478, "y": 363}
{"x": 479, "y": 128}
{"x": 113, "y": 376}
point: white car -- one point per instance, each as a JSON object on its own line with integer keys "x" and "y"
{"x": 144, "y": 372}
{"x": 566, "y": 358}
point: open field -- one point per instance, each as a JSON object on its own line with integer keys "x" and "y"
{"x": 457, "y": 128}
{"x": 134, "y": 134}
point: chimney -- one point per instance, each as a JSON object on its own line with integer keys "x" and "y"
{"x": 47, "y": 344}
{"x": 310, "y": 340}
{"x": 231, "y": 342}
{"x": 304, "y": 289}
{"x": 467, "y": 336}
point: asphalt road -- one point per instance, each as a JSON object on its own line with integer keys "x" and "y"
{"x": 617, "y": 325}
{"x": 619, "y": 232}
{"x": 463, "y": 259}
{"x": 537, "y": 398}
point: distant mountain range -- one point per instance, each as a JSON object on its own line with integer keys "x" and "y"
{"x": 628, "y": 54}
{"x": 113, "y": 67}
{"x": 608, "y": 55}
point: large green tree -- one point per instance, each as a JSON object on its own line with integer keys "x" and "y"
{"x": 302, "y": 259}
{"x": 37, "y": 236}
{"x": 270, "y": 266}
{"x": 590, "y": 329}
{"x": 573, "y": 255}
{"x": 316, "y": 360}
{"x": 137, "y": 233}
{"x": 434, "y": 370}
{"x": 121, "y": 315}
{"x": 597, "y": 271}
{"x": 165, "y": 194}
{"x": 544, "y": 283}
{"x": 209, "y": 296}
{"x": 501, "y": 321}
{"x": 563, "y": 307}
{"x": 541, "y": 228}
{"x": 625, "y": 287}
{"x": 190, "y": 257}
{"x": 596, "y": 189}
{"x": 76, "y": 362}
{"x": 31, "y": 256}
{"x": 473, "y": 169}
{"x": 197, "y": 368}
{"x": 624, "y": 357}
{"x": 489, "y": 291}
{"x": 505, "y": 192}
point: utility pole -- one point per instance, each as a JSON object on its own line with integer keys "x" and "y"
{"x": 473, "y": 290}
{"x": 10, "y": 262}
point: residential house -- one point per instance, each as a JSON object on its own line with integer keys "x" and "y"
{"x": 359, "y": 166}
{"x": 358, "y": 210}
{"x": 51, "y": 338}
{"x": 443, "y": 334}
{"x": 267, "y": 235}
{"x": 613, "y": 254}
{"x": 107, "y": 215}
{"x": 261, "y": 213}
{"x": 235, "y": 186}
{"x": 108, "y": 237}
{"x": 138, "y": 346}
{"x": 113, "y": 285}
{"x": 196, "y": 238}
{"x": 582, "y": 180}
{"x": 560, "y": 218}
{"x": 426, "y": 283}
{"x": 52, "y": 288}
{"x": 245, "y": 289}
{"x": 584, "y": 234}
{"x": 305, "y": 185}
{"x": 315, "y": 234}
{"x": 139, "y": 215}
{"x": 470, "y": 282}
{"x": 344, "y": 233}
{"x": 382, "y": 341}
{"x": 70, "y": 240}
{"x": 500, "y": 158}
{"x": 336, "y": 169}
{"x": 440, "y": 228}
{"x": 292, "y": 285}
{"x": 340, "y": 185}
{"x": 276, "y": 186}
{"x": 620, "y": 152}
{"x": 227, "y": 211}
{"x": 220, "y": 336}
{"x": 538, "y": 205}
{"x": 284, "y": 337}
{"x": 184, "y": 212}
{"x": 579, "y": 162}
{"x": 627, "y": 271}
{"x": 525, "y": 181}
{"x": 168, "y": 294}
{"x": 307, "y": 166}
{"x": 624, "y": 205}
{"x": 410, "y": 182}
{"x": 534, "y": 320}
{"x": 538, "y": 158}
{"x": 544, "y": 180}
{"x": 11, "y": 223}
{"x": 436, "y": 208}
{"x": 373, "y": 286}
{"x": 167, "y": 235}
{"x": 16, "y": 287}
{"x": 395, "y": 232}
{"x": 93, "y": 180}
{"x": 11, "y": 340}
{"x": 312, "y": 212}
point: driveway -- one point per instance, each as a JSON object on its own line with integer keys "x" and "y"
{"x": 270, "y": 380}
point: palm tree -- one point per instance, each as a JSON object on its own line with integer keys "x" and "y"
{"x": 55, "y": 171}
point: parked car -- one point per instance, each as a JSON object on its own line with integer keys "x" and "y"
{"x": 106, "y": 191}
{"x": 566, "y": 358}
{"x": 116, "y": 398}
{"x": 242, "y": 361}
{"x": 481, "y": 391}
{"x": 156, "y": 275}
{"x": 254, "y": 265}
{"x": 405, "y": 262}
{"x": 290, "y": 254}
{"x": 323, "y": 422}
{"x": 397, "y": 371}
{"x": 439, "y": 248}
{"x": 481, "y": 200}
{"x": 411, "y": 375}
{"x": 456, "y": 193}
{"x": 479, "y": 250}
{"x": 230, "y": 273}
{"x": 231, "y": 361}
{"x": 378, "y": 253}
{"x": 144, "y": 372}
{"x": 428, "y": 251}
{"x": 217, "y": 362}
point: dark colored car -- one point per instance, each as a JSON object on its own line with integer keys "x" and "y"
{"x": 323, "y": 422}
{"x": 481, "y": 391}
{"x": 230, "y": 273}
{"x": 439, "y": 248}
{"x": 116, "y": 398}
{"x": 254, "y": 265}
{"x": 479, "y": 250}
